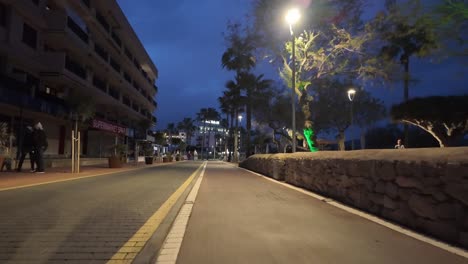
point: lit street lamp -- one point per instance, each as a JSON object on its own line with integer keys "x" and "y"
{"x": 292, "y": 17}
{"x": 351, "y": 94}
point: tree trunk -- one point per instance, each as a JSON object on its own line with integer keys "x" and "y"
{"x": 341, "y": 140}
{"x": 405, "y": 61}
{"x": 363, "y": 138}
{"x": 249, "y": 127}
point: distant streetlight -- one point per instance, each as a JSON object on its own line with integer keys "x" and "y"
{"x": 293, "y": 15}
{"x": 351, "y": 94}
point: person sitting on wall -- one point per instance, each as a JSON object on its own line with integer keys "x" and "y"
{"x": 399, "y": 145}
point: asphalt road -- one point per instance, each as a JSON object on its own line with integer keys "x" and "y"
{"x": 239, "y": 217}
{"x": 87, "y": 220}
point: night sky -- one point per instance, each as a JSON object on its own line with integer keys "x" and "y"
{"x": 184, "y": 39}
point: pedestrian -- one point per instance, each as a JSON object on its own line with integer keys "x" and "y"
{"x": 399, "y": 145}
{"x": 27, "y": 148}
{"x": 40, "y": 145}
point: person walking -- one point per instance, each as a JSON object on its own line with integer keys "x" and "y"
{"x": 27, "y": 148}
{"x": 40, "y": 145}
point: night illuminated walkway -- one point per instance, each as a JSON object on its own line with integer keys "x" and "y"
{"x": 239, "y": 217}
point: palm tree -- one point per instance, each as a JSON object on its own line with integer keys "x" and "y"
{"x": 235, "y": 101}
{"x": 255, "y": 88}
{"x": 239, "y": 57}
{"x": 187, "y": 125}
{"x": 171, "y": 129}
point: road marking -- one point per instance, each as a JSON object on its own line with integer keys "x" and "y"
{"x": 452, "y": 249}
{"x": 173, "y": 242}
{"x": 147, "y": 230}
{"x": 76, "y": 178}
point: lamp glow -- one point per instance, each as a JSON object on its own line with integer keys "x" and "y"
{"x": 293, "y": 16}
{"x": 351, "y": 93}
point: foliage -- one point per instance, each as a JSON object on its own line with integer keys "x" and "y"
{"x": 148, "y": 149}
{"x": 444, "y": 117}
{"x": 82, "y": 107}
{"x": 239, "y": 55}
{"x": 332, "y": 108}
{"x": 187, "y": 125}
{"x": 118, "y": 150}
{"x": 386, "y": 137}
{"x": 160, "y": 139}
{"x": 4, "y": 137}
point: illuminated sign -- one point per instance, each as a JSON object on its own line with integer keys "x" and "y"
{"x": 101, "y": 125}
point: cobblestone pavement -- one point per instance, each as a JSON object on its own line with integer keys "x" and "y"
{"x": 105, "y": 219}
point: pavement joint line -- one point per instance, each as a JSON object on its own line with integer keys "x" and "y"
{"x": 156, "y": 219}
{"x": 79, "y": 177}
{"x": 181, "y": 223}
{"x": 452, "y": 249}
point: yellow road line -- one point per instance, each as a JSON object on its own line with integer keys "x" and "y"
{"x": 152, "y": 224}
{"x": 77, "y": 178}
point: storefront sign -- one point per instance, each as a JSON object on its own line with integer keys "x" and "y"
{"x": 102, "y": 125}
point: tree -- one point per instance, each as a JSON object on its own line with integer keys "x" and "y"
{"x": 256, "y": 88}
{"x": 332, "y": 108}
{"x": 444, "y": 117}
{"x": 406, "y": 32}
{"x": 187, "y": 125}
{"x": 233, "y": 102}
{"x": 171, "y": 129}
{"x": 336, "y": 45}
{"x": 239, "y": 56}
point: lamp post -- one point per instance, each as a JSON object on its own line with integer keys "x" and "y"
{"x": 292, "y": 17}
{"x": 240, "y": 144}
{"x": 351, "y": 94}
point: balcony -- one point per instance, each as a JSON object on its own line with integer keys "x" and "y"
{"x": 101, "y": 52}
{"x": 155, "y": 88}
{"x": 21, "y": 98}
{"x": 64, "y": 33}
{"x": 99, "y": 83}
{"x": 155, "y": 104}
{"x": 115, "y": 65}
{"x": 116, "y": 39}
{"x": 86, "y": 3}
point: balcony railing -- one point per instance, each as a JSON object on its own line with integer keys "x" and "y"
{"x": 155, "y": 104}
{"x": 127, "y": 77}
{"x": 77, "y": 30}
{"x": 75, "y": 67}
{"x": 155, "y": 87}
{"x": 129, "y": 54}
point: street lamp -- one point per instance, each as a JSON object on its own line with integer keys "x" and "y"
{"x": 292, "y": 17}
{"x": 351, "y": 94}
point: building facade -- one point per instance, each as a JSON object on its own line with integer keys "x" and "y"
{"x": 56, "y": 54}
{"x": 211, "y": 136}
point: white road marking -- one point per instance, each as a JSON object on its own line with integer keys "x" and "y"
{"x": 452, "y": 249}
{"x": 171, "y": 246}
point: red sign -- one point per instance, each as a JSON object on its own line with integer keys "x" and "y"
{"x": 101, "y": 125}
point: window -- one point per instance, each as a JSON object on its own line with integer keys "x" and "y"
{"x": 126, "y": 101}
{"x": 116, "y": 39}
{"x": 115, "y": 65}
{"x": 101, "y": 52}
{"x": 51, "y": 91}
{"x": 127, "y": 77}
{"x": 36, "y": 2}
{"x": 100, "y": 18}
{"x": 128, "y": 53}
{"x": 114, "y": 93}
{"x": 29, "y": 36}
{"x": 100, "y": 84}
{"x": 86, "y": 2}
{"x": 3, "y": 14}
{"x": 77, "y": 29}
{"x": 75, "y": 67}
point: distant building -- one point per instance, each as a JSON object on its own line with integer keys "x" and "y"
{"x": 51, "y": 49}
{"x": 211, "y": 135}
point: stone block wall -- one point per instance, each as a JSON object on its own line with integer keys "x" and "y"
{"x": 423, "y": 189}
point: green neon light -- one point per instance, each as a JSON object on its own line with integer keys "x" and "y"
{"x": 309, "y": 133}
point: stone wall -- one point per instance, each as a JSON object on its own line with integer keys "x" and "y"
{"x": 424, "y": 189}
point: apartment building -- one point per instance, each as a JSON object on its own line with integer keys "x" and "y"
{"x": 211, "y": 135}
{"x": 55, "y": 51}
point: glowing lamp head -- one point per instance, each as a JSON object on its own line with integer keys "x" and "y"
{"x": 351, "y": 93}
{"x": 293, "y": 16}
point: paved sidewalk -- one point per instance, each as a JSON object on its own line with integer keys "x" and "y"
{"x": 239, "y": 217}
{"x": 11, "y": 179}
